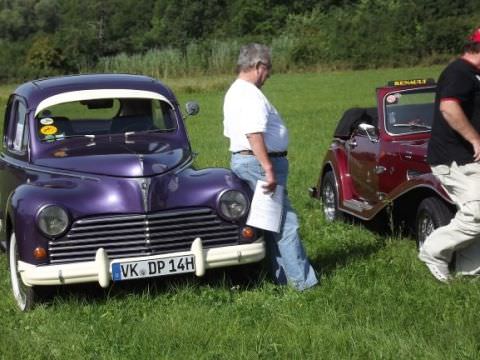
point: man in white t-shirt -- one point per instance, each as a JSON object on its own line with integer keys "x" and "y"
{"x": 259, "y": 142}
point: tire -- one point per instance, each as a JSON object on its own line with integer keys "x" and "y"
{"x": 432, "y": 213}
{"x": 25, "y": 296}
{"x": 329, "y": 194}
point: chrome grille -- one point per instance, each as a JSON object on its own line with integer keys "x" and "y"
{"x": 141, "y": 235}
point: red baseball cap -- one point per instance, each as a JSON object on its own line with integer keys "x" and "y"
{"x": 475, "y": 36}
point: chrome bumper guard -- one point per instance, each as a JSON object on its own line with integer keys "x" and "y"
{"x": 100, "y": 269}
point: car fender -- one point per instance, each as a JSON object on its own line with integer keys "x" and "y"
{"x": 336, "y": 160}
{"x": 193, "y": 187}
{"x": 412, "y": 192}
{"x": 426, "y": 182}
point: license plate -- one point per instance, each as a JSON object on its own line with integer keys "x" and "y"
{"x": 153, "y": 267}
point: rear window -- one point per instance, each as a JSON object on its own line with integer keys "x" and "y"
{"x": 105, "y": 116}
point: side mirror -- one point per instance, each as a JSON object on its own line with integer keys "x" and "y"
{"x": 192, "y": 108}
{"x": 370, "y": 131}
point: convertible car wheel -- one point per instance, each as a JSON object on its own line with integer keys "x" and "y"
{"x": 431, "y": 214}
{"x": 24, "y": 295}
{"x": 330, "y": 198}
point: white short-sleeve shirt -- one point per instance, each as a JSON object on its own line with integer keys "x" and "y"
{"x": 246, "y": 110}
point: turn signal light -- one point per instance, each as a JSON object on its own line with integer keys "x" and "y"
{"x": 40, "y": 253}
{"x": 248, "y": 232}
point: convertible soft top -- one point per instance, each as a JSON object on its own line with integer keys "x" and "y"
{"x": 352, "y": 118}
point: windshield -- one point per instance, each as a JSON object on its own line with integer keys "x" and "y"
{"x": 409, "y": 111}
{"x": 104, "y": 117}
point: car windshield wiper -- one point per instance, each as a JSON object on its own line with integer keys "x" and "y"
{"x": 161, "y": 130}
{"x": 414, "y": 125}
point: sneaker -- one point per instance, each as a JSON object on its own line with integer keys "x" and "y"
{"x": 440, "y": 272}
{"x": 438, "y": 269}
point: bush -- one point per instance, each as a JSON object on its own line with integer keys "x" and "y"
{"x": 43, "y": 59}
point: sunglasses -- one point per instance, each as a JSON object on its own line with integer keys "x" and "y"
{"x": 268, "y": 66}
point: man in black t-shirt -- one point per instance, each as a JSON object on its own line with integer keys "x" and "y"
{"x": 454, "y": 155}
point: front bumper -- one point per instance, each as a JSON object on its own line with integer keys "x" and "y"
{"x": 101, "y": 270}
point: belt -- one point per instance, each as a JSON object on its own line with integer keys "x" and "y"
{"x": 270, "y": 154}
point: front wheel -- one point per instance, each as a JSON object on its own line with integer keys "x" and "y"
{"x": 329, "y": 195}
{"x": 24, "y": 295}
{"x": 432, "y": 213}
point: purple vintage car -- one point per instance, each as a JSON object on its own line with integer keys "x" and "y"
{"x": 98, "y": 186}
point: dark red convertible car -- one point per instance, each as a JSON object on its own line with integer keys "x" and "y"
{"x": 376, "y": 164}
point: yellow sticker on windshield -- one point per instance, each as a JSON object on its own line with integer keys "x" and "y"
{"x": 48, "y": 130}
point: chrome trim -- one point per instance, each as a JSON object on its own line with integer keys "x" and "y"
{"x": 67, "y": 228}
{"x": 140, "y": 160}
{"x": 358, "y": 205}
{"x": 144, "y": 185}
{"x": 384, "y": 111}
{"x": 185, "y": 164}
{"x": 27, "y": 166}
{"x": 142, "y": 234}
{"x": 222, "y": 215}
{"x": 411, "y": 174}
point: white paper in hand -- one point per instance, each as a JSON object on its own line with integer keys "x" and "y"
{"x": 266, "y": 209}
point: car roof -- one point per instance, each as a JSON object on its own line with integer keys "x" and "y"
{"x": 37, "y": 90}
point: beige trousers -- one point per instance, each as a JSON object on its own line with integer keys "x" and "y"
{"x": 462, "y": 183}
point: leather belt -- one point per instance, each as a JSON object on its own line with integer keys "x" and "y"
{"x": 270, "y": 154}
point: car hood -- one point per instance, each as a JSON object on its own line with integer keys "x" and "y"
{"x": 123, "y": 159}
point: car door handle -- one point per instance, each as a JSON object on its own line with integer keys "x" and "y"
{"x": 352, "y": 143}
{"x": 408, "y": 155}
{"x": 380, "y": 169}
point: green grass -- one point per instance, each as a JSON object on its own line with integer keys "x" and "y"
{"x": 376, "y": 300}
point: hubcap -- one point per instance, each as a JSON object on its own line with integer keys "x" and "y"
{"x": 425, "y": 228}
{"x": 329, "y": 205}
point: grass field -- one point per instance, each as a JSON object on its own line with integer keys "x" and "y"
{"x": 375, "y": 301}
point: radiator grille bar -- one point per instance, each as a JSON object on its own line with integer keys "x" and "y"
{"x": 142, "y": 235}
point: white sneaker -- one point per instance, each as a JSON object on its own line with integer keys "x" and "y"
{"x": 439, "y": 271}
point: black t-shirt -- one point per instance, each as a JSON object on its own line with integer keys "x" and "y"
{"x": 460, "y": 81}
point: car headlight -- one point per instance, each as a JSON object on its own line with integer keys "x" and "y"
{"x": 52, "y": 220}
{"x": 233, "y": 204}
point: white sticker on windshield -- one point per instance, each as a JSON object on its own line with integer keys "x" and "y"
{"x": 46, "y": 121}
{"x": 391, "y": 99}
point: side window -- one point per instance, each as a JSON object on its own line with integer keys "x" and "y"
{"x": 162, "y": 115}
{"x": 18, "y": 128}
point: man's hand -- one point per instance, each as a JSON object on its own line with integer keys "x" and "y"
{"x": 271, "y": 182}
{"x": 476, "y": 150}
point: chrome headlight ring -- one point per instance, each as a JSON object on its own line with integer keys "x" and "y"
{"x": 52, "y": 220}
{"x": 232, "y": 205}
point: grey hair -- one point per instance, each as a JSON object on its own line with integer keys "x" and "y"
{"x": 251, "y": 55}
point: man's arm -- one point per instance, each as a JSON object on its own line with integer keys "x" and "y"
{"x": 455, "y": 117}
{"x": 259, "y": 149}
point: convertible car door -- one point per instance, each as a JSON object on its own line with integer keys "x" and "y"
{"x": 362, "y": 164}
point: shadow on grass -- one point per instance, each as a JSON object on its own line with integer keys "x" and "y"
{"x": 237, "y": 278}
{"x": 340, "y": 256}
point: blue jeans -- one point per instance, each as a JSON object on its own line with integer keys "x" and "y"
{"x": 285, "y": 251}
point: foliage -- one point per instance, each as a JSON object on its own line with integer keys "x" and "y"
{"x": 197, "y": 37}
{"x": 43, "y": 58}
